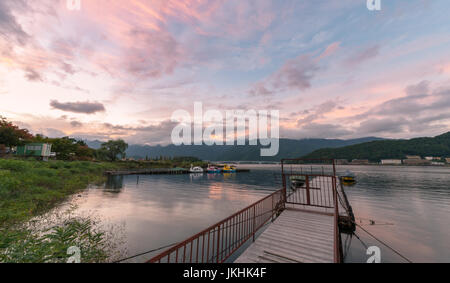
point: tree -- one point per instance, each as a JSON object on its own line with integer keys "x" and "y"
{"x": 12, "y": 135}
{"x": 65, "y": 148}
{"x": 112, "y": 149}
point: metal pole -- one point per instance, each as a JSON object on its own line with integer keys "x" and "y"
{"x": 308, "y": 200}
{"x": 218, "y": 244}
{"x": 254, "y": 222}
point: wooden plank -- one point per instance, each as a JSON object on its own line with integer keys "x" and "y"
{"x": 295, "y": 236}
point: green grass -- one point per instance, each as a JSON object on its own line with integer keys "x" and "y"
{"x": 28, "y": 188}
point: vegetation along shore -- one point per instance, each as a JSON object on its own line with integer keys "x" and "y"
{"x": 30, "y": 187}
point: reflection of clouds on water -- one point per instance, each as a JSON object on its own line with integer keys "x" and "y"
{"x": 415, "y": 199}
{"x": 159, "y": 209}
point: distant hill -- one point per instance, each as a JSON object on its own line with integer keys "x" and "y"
{"x": 438, "y": 146}
{"x": 288, "y": 149}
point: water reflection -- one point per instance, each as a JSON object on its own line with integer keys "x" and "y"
{"x": 114, "y": 184}
{"x": 160, "y": 209}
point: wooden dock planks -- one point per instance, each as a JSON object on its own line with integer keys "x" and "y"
{"x": 296, "y": 236}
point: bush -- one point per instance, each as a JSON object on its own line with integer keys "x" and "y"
{"x": 15, "y": 165}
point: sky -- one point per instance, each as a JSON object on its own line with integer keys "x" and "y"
{"x": 119, "y": 69}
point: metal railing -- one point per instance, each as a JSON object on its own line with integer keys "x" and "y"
{"x": 316, "y": 190}
{"x": 219, "y": 242}
{"x": 337, "y": 240}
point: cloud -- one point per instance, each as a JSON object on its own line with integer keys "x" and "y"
{"x": 32, "y": 75}
{"x": 155, "y": 53}
{"x": 78, "y": 107}
{"x": 377, "y": 126}
{"x": 10, "y": 29}
{"x": 296, "y": 74}
{"x": 419, "y": 111}
{"x": 363, "y": 56}
{"x": 76, "y": 124}
{"x": 330, "y": 50}
{"x": 316, "y": 130}
{"x": 51, "y": 133}
{"x": 421, "y": 88}
{"x": 317, "y": 112}
{"x": 259, "y": 89}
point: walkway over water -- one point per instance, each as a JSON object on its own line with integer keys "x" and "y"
{"x": 299, "y": 223}
{"x": 303, "y": 233}
{"x": 295, "y": 237}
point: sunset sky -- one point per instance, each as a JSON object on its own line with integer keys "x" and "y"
{"x": 119, "y": 69}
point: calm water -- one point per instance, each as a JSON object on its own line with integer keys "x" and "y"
{"x": 410, "y": 205}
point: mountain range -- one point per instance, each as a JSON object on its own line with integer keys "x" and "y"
{"x": 438, "y": 146}
{"x": 289, "y": 148}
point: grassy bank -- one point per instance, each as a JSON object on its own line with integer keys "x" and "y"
{"x": 30, "y": 188}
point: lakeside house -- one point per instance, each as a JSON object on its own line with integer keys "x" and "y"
{"x": 40, "y": 150}
{"x": 391, "y": 162}
{"x": 342, "y": 162}
{"x": 413, "y": 161}
{"x": 360, "y": 162}
{"x": 433, "y": 158}
{"x": 413, "y": 157}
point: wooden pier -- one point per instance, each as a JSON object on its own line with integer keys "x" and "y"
{"x": 152, "y": 171}
{"x": 159, "y": 171}
{"x": 305, "y": 232}
{"x": 296, "y": 236}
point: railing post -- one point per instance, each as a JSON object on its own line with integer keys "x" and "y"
{"x": 254, "y": 222}
{"x": 218, "y": 244}
{"x": 273, "y": 208}
{"x": 308, "y": 199}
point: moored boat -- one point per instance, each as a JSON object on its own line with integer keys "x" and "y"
{"x": 229, "y": 169}
{"x": 212, "y": 169}
{"x": 348, "y": 178}
{"x": 196, "y": 169}
{"x": 297, "y": 181}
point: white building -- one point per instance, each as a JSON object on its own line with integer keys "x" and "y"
{"x": 391, "y": 162}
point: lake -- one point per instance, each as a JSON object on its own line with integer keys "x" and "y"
{"x": 409, "y": 205}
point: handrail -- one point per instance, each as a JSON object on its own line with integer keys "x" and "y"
{"x": 220, "y": 241}
{"x": 337, "y": 255}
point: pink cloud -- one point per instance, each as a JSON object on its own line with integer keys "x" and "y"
{"x": 330, "y": 50}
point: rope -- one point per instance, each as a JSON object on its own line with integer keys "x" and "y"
{"x": 373, "y": 236}
{"x": 386, "y": 245}
{"x": 362, "y": 242}
{"x": 141, "y": 254}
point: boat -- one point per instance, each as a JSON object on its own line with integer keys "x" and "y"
{"x": 212, "y": 169}
{"x": 229, "y": 169}
{"x": 196, "y": 169}
{"x": 297, "y": 181}
{"x": 348, "y": 178}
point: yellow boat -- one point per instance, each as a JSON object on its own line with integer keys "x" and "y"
{"x": 348, "y": 179}
{"x": 229, "y": 169}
